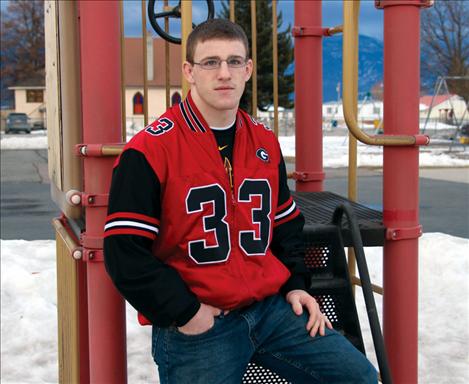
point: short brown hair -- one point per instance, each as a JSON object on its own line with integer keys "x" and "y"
{"x": 213, "y": 29}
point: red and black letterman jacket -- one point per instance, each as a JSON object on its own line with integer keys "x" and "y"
{"x": 178, "y": 234}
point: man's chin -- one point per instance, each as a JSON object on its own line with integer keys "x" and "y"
{"x": 227, "y": 105}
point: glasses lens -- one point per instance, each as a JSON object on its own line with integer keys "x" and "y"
{"x": 215, "y": 63}
{"x": 210, "y": 63}
{"x": 235, "y": 62}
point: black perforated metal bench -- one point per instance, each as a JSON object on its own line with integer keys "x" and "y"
{"x": 329, "y": 278}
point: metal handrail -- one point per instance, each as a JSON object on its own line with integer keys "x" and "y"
{"x": 350, "y": 81}
{"x": 355, "y": 280}
{"x": 74, "y": 248}
{"x": 334, "y": 30}
{"x": 99, "y": 150}
{"x": 373, "y": 318}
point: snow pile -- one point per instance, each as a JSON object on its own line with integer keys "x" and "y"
{"x": 443, "y": 307}
{"x": 335, "y": 151}
{"x": 35, "y": 140}
{"x": 335, "y": 154}
{"x": 29, "y": 330}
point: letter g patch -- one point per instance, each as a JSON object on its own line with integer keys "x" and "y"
{"x": 262, "y": 154}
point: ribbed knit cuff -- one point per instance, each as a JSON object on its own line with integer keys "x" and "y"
{"x": 294, "y": 282}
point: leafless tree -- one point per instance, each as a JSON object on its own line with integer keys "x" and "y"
{"x": 445, "y": 43}
{"x": 22, "y": 42}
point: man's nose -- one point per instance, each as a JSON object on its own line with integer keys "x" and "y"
{"x": 224, "y": 70}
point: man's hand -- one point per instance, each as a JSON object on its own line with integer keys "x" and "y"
{"x": 317, "y": 320}
{"x": 202, "y": 321}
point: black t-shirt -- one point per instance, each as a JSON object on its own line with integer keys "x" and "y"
{"x": 225, "y": 142}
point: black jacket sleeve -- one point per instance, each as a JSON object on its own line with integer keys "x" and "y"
{"x": 287, "y": 241}
{"x": 153, "y": 288}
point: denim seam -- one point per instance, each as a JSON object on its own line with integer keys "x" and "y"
{"x": 294, "y": 364}
{"x": 250, "y": 327}
{"x": 166, "y": 357}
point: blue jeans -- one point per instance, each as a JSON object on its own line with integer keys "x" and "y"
{"x": 268, "y": 333}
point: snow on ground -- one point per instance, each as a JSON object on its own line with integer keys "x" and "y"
{"x": 35, "y": 140}
{"x": 29, "y": 330}
{"x": 335, "y": 151}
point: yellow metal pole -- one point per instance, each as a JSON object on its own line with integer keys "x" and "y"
{"x": 375, "y": 288}
{"x": 350, "y": 77}
{"x": 123, "y": 112}
{"x": 145, "y": 64}
{"x": 335, "y": 30}
{"x": 254, "y": 57}
{"x": 352, "y": 166}
{"x": 166, "y": 57}
{"x": 186, "y": 28}
{"x": 232, "y": 11}
{"x": 275, "y": 63}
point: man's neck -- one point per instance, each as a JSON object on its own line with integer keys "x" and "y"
{"x": 214, "y": 118}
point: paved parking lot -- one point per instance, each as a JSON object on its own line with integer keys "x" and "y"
{"x": 27, "y": 210}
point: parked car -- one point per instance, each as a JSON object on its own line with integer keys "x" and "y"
{"x": 38, "y": 125}
{"x": 17, "y": 122}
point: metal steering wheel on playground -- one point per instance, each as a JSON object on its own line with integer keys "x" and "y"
{"x": 175, "y": 13}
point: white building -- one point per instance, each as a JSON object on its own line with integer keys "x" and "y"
{"x": 30, "y": 96}
{"x": 443, "y": 108}
{"x": 370, "y": 113}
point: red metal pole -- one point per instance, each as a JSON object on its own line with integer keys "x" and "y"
{"x": 308, "y": 95}
{"x": 401, "y": 187}
{"x": 101, "y": 106}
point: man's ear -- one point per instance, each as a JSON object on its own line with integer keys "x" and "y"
{"x": 249, "y": 67}
{"x": 187, "y": 69}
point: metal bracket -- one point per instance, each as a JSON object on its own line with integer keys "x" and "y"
{"x": 95, "y": 200}
{"x": 381, "y": 4}
{"x": 94, "y": 242}
{"x": 75, "y": 198}
{"x": 92, "y": 248}
{"x": 307, "y": 176}
{"x": 93, "y": 255}
{"x": 404, "y": 233}
{"x": 299, "y": 31}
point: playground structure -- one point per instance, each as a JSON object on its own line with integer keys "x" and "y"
{"x": 456, "y": 116}
{"x": 86, "y": 129}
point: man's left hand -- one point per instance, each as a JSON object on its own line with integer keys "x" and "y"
{"x": 317, "y": 320}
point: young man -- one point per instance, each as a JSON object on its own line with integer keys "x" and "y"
{"x": 204, "y": 239}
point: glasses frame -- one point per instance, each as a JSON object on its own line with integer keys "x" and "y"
{"x": 220, "y": 61}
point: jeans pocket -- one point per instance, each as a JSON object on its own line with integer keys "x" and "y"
{"x": 198, "y": 335}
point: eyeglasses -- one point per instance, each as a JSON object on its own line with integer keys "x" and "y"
{"x": 215, "y": 62}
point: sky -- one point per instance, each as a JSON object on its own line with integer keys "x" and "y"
{"x": 371, "y": 19}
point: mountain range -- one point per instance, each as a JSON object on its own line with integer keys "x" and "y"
{"x": 370, "y": 66}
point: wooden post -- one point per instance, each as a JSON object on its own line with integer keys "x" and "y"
{"x": 145, "y": 64}
{"x": 275, "y": 63}
{"x": 254, "y": 57}
{"x": 186, "y": 29}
